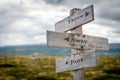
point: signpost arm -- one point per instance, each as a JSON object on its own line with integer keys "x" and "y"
{"x": 77, "y": 74}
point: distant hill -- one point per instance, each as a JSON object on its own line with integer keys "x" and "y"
{"x": 31, "y": 49}
{"x": 44, "y": 50}
{"x": 114, "y": 50}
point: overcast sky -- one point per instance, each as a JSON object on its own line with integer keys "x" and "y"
{"x": 26, "y": 21}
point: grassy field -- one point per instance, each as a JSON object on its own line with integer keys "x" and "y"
{"x": 43, "y": 68}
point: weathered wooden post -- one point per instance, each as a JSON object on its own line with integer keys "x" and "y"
{"x": 77, "y": 41}
{"x": 77, "y": 74}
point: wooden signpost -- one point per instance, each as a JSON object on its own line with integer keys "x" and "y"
{"x": 88, "y": 59}
{"x": 78, "y": 18}
{"x": 83, "y": 46}
{"x": 76, "y": 41}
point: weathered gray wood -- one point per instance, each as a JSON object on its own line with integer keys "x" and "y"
{"x": 80, "y": 59}
{"x": 76, "y": 41}
{"x": 80, "y": 73}
{"x": 86, "y": 60}
{"x": 78, "y": 18}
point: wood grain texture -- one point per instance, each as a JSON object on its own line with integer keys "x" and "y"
{"x": 86, "y": 60}
{"x": 79, "y": 18}
{"x": 80, "y": 73}
{"x": 76, "y": 41}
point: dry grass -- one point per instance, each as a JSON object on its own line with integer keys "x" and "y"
{"x": 43, "y": 68}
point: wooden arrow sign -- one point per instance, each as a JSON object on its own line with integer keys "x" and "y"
{"x": 79, "y": 18}
{"x": 88, "y": 59}
{"x": 76, "y": 41}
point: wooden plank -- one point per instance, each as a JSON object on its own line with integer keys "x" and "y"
{"x": 88, "y": 59}
{"x": 78, "y": 18}
{"x": 76, "y": 41}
